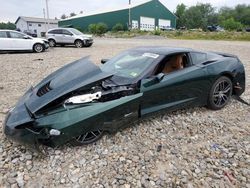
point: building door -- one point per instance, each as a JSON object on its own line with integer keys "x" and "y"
{"x": 147, "y": 24}
{"x": 164, "y": 24}
{"x": 135, "y": 24}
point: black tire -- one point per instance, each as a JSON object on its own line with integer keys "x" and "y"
{"x": 220, "y": 93}
{"x": 52, "y": 43}
{"x": 78, "y": 43}
{"x": 87, "y": 138}
{"x": 38, "y": 48}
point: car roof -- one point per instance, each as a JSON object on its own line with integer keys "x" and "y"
{"x": 163, "y": 50}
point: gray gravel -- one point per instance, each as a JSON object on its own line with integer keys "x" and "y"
{"x": 187, "y": 148}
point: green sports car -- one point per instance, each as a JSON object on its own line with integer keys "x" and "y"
{"x": 81, "y": 101}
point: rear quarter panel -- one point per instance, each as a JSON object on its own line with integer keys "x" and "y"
{"x": 230, "y": 67}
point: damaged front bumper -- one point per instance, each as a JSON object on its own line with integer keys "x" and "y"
{"x": 19, "y": 127}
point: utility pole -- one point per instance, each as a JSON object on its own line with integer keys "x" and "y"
{"x": 129, "y": 15}
{"x": 47, "y": 10}
{"x": 45, "y": 19}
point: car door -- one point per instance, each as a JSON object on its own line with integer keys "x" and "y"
{"x": 178, "y": 89}
{"x": 67, "y": 37}
{"x": 57, "y": 34}
{"x": 5, "y": 41}
{"x": 20, "y": 41}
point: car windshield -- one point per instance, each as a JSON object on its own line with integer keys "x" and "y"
{"x": 76, "y": 32}
{"x": 130, "y": 64}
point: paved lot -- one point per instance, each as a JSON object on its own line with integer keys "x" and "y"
{"x": 200, "y": 148}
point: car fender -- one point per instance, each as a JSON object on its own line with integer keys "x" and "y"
{"x": 109, "y": 116}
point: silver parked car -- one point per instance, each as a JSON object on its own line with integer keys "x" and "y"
{"x": 17, "y": 41}
{"x": 68, "y": 36}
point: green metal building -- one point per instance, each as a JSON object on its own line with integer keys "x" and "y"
{"x": 149, "y": 15}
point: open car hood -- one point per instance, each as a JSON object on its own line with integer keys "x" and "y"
{"x": 79, "y": 74}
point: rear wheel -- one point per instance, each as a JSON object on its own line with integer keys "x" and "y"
{"x": 38, "y": 48}
{"x": 87, "y": 138}
{"x": 78, "y": 43}
{"x": 220, "y": 93}
{"x": 52, "y": 43}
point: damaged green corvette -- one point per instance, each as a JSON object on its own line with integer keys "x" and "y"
{"x": 81, "y": 101}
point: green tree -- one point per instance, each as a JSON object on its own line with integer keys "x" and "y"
{"x": 98, "y": 29}
{"x": 118, "y": 27}
{"x": 63, "y": 16}
{"x": 200, "y": 16}
{"x": 180, "y": 13}
{"x": 7, "y": 25}
{"x": 92, "y": 28}
{"x": 101, "y": 28}
{"x": 230, "y": 24}
{"x": 72, "y": 14}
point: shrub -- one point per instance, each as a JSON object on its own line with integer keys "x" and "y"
{"x": 118, "y": 27}
{"x": 157, "y": 32}
{"x": 98, "y": 29}
{"x": 92, "y": 28}
{"x": 230, "y": 24}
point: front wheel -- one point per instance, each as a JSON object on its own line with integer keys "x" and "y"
{"x": 87, "y": 138}
{"x": 220, "y": 93}
{"x": 38, "y": 48}
{"x": 78, "y": 43}
{"x": 52, "y": 43}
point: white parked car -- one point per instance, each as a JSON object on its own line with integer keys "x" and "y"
{"x": 13, "y": 40}
{"x": 68, "y": 36}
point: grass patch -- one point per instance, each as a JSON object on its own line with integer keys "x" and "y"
{"x": 187, "y": 35}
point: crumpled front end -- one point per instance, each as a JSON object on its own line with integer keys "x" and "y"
{"x": 20, "y": 126}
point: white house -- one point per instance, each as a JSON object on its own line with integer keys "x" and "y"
{"x": 36, "y": 25}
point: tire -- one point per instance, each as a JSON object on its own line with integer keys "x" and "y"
{"x": 52, "y": 43}
{"x": 220, "y": 93}
{"x": 78, "y": 43}
{"x": 38, "y": 48}
{"x": 87, "y": 138}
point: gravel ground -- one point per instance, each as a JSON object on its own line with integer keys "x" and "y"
{"x": 187, "y": 148}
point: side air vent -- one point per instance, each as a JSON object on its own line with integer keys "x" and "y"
{"x": 208, "y": 62}
{"x": 44, "y": 89}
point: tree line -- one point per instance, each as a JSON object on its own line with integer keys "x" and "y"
{"x": 204, "y": 14}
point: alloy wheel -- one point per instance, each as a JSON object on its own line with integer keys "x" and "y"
{"x": 222, "y": 93}
{"x": 78, "y": 44}
{"x": 38, "y": 48}
{"x": 89, "y": 137}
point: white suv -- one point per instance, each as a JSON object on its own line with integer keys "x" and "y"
{"x": 13, "y": 41}
{"x": 68, "y": 36}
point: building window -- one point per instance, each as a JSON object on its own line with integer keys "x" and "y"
{"x": 39, "y": 25}
{"x": 30, "y": 24}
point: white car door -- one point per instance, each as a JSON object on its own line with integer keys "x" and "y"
{"x": 5, "y": 42}
{"x": 20, "y": 41}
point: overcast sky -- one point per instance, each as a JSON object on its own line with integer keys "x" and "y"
{"x": 11, "y": 9}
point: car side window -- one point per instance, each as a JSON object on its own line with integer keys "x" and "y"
{"x": 3, "y": 34}
{"x": 16, "y": 35}
{"x": 172, "y": 63}
{"x": 198, "y": 57}
{"x": 65, "y": 32}
{"x": 56, "y": 31}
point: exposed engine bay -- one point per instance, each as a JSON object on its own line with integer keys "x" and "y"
{"x": 106, "y": 91}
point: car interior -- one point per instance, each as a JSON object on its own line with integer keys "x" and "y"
{"x": 173, "y": 63}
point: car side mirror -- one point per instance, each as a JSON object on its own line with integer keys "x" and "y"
{"x": 160, "y": 77}
{"x": 103, "y": 61}
{"x": 26, "y": 37}
{"x": 152, "y": 81}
